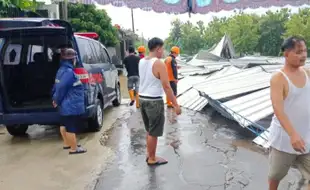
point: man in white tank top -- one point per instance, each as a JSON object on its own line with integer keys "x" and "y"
{"x": 154, "y": 83}
{"x": 290, "y": 126}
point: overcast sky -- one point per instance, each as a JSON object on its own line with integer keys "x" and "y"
{"x": 153, "y": 24}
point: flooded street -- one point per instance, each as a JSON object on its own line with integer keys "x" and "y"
{"x": 203, "y": 154}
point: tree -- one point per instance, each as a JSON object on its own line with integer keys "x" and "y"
{"x": 250, "y": 33}
{"x": 299, "y": 25}
{"x": 22, "y": 4}
{"x": 86, "y": 18}
{"x": 175, "y": 34}
{"x": 214, "y": 31}
{"x": 271, "y": 30}
{"x": 192, "y": 38}
{"x": 243, "y": 30}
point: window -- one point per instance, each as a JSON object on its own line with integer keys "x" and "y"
{"x": 106, "y": 55}
{"x": 12, "y": 54}
{"x": 33, "y": 49}
{"x": 86, "y": 52}
{"x": 97, "y": 48}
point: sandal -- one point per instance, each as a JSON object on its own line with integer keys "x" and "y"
{"x": 79, "y": 150}
{"x": 160, "y": 161}
{"x": 68, "y": 147}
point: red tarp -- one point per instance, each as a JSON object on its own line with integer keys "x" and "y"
{"x": 197, "y": 6}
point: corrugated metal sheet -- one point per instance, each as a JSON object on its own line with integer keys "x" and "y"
{"x": 243, "y": 81}
{"x": 254, "y": 106}
{"x": 187, "y": 82}
{"x": 275, "y": 68}
{"x": 192, "y": 100}
{"x": 225, "y": 71}
{"x": 188, "y": 70}
{"x": 262, "y": 139}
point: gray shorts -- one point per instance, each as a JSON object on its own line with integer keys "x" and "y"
{"x": 133, "y": 83}
{"x": 153, "y": 115}
{"x": 280, "y": 162}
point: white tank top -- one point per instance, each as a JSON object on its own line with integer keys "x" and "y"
{"x": 297, "y": 109}
{"x": 149, "y": 85}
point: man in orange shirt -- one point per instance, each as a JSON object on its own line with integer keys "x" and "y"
{"x": 172, "y": 69}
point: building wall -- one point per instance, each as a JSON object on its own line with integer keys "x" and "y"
{"x": 53, "y": 10}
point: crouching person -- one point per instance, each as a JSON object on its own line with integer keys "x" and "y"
{"x": 68, "y": 96}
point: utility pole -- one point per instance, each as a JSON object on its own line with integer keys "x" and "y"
{"x": 132, "y": 21}
{"x": 63, "y": 9}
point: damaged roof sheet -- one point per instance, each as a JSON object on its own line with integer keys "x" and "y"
{"x": 275, "y": 68}
{"x": 254, "y": 106}
{"x": 189, "y": 97}
{"x": 192, "y": 100}
{"x": 188, "y": 82}
{"x": 237, "y": 83}
{"x": 188, "y": 70}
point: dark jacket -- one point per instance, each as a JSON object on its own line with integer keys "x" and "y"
{"x": 68, "y": 91}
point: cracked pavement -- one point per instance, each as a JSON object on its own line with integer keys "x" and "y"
{"x": 205, "y": 152}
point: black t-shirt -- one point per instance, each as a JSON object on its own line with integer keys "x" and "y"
{"x": 131, "y": 63}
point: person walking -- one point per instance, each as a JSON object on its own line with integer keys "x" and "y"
{"x": 172, "y": 69}
{"x": 154, "y": 82}
{"x": 131, "y": 63}
{"x": 68, "y": 97}
{"x": 290, "y": 126}
{"x": 141, "y": 51}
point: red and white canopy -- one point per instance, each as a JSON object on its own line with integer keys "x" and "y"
{"x": 194, "y": 6}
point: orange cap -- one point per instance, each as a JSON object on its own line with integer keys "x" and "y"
{"x": 141, "y": 49}
{"x": 175, "y": 50}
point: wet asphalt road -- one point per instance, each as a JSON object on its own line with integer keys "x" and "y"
{"x": 38, "y": 162}
{"x": 205, "y": 152}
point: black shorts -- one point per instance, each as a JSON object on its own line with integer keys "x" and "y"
{"x": 174, "y": 87}
{"x": 72, "y": 123}
{"x": 153, "y": 115}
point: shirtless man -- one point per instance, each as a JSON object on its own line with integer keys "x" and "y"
{"x": 154, "y": 82}
{"x": 290, "y": 126}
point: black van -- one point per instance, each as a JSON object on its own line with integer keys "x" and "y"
{"x": 29, "y": 60}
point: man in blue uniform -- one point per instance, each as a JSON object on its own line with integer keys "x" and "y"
{"x": 68, "y": 97}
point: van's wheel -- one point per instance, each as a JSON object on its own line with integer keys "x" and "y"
{"x": 117, "y": 101}
{"x": 96, "y": 121}
{"x": 17, "y": 130}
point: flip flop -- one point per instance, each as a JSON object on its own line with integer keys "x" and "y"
{"x": 159, "y": 162}
{"x": 68, "y": 147}
{"x": 79, "y": 150}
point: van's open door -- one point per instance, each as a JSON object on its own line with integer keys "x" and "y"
{"x": 33, "y": 31}
{"x": 64, "y": 24}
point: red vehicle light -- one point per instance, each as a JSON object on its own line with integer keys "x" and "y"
{"x": 92, "y": 35}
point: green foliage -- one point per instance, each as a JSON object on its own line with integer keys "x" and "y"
{"x": 271, "y": 29}
{"x": 249, "y": 33}
{"x": 299, "y": 25}
{"x": 86, "y": 18}
{"x": 22, "y": 4}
